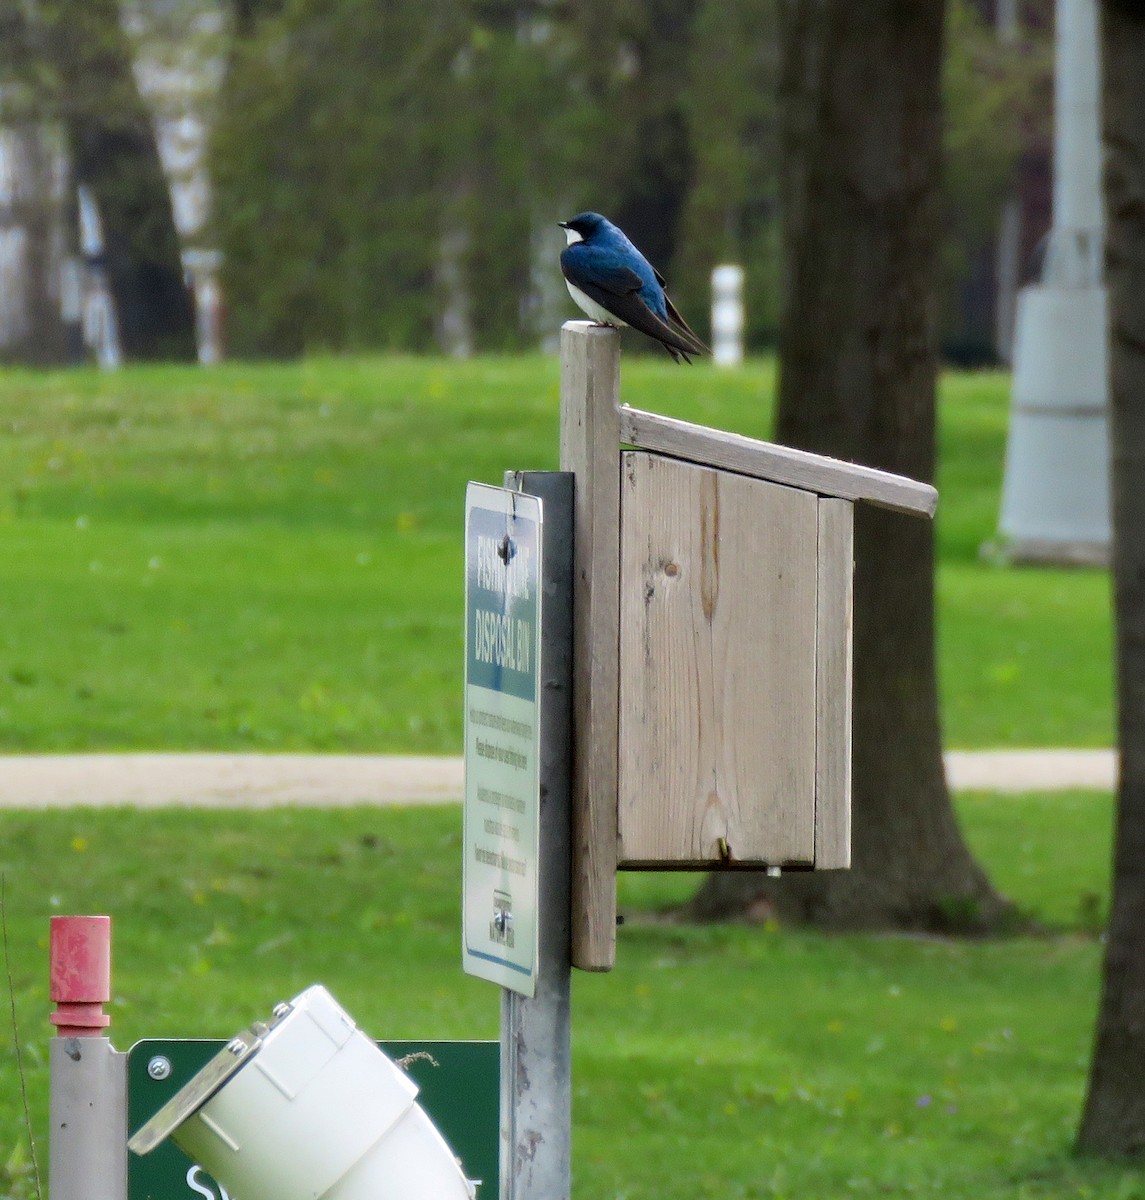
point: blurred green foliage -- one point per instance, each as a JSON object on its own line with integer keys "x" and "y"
{"x": 382, "y": 168}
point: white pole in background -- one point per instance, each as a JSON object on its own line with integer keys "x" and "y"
{"x": 1074, "y": 258}
{"x": 727, "y": 315}
{"x": 1055, "y": 496}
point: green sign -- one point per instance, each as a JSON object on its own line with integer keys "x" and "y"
{"x": 459, "y": 1086}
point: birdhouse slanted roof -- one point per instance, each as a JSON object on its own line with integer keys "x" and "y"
{"x": 776, "y": 464}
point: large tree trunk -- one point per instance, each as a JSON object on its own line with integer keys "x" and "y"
{"x": 860, "y": 186}
{"x": 1113, "y": 1122}
{"x": 115, "y": 154}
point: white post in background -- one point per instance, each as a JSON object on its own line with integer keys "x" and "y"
{"x": 727, "y": 315}
{"x": 204, "y": 266}
{"x": 1074, "y": 254}
{"x": 1055, "y": 497}
{"x": 455, "y": 313}
{"x": 100, "y": 323}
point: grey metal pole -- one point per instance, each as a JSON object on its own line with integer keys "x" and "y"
{"x": 1055, "y": 489}
{"x": 87, "y": 1152}
{"x": 536, "y": 1074}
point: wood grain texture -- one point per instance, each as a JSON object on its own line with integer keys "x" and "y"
{"x": 777, "y": 464}
{"x": 590, "y": 448}
{"x": 717, "y": 672}
{"x": 833, "y": 685}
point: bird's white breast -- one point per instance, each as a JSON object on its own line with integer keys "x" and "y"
{"x": 572, "y": 237}
{"x": 588, "y": 305}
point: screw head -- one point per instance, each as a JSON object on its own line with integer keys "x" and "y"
{"x": 159, "y": 1067}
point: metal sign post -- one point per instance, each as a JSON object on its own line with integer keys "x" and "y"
{"x": 536, "y": 1070}
{"x": 518, "y": 698}
{"x": 88, "y": 1108}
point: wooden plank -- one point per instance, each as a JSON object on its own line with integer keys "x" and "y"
{"x": 777, "y": 464}
{"x": 717, "y": 667}
{"x": 590, "y": 439}
{"x": 833, "y": 685}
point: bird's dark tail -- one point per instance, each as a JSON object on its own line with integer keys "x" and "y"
{"x": 685, "y": 332}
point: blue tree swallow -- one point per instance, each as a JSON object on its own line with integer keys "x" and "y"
{"x": 616, "y": 285}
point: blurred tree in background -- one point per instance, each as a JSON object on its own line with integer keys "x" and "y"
{"x": 862, "y": 232}
{"x": 389, "y": 175}
{"x": 376, "y": 169}
{"x": 731, "y": 213}
{"x": 998, "y": 105}
{"x": 383, "y": 171}
{"x": 1113, "y": 1120}
{"x": 326, "y": 163}
{"x": 68, "y": 70}
{"x": 114, "y": 153}
{"x": 998, "y": 100}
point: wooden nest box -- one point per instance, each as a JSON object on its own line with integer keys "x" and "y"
{"x": 712, "y": 643}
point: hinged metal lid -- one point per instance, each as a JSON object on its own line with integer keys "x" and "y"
{"x": 201, "y": 1087}
{"x": 194, "y": 1094}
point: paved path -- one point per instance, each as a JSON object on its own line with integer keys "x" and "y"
{"x": 1031, "y": 770}
{"x": 264, "y": 780}
{"x": 226, "y": 780}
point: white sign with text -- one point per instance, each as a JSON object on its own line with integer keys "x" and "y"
{"x": 502, "y": 735}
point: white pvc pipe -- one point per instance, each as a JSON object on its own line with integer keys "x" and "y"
{"x": 320, "y": 1112}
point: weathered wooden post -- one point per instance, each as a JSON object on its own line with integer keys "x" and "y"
{"x": 712, "y": 636}
{"x": 590, "y": 440}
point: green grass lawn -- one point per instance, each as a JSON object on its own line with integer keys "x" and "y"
{"x": 269, "y": 557}
{"x": 734, "y": 1061}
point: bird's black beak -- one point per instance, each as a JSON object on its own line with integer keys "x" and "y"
{"x": 563, "y": 224}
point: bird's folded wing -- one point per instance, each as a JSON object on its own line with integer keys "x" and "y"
{"x": 632, "y": 310}
{"x": 586, "y": 272}
{"x": 616, "y": 288}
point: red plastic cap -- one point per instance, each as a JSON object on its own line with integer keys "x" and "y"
{"x": 80, "y": 958}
